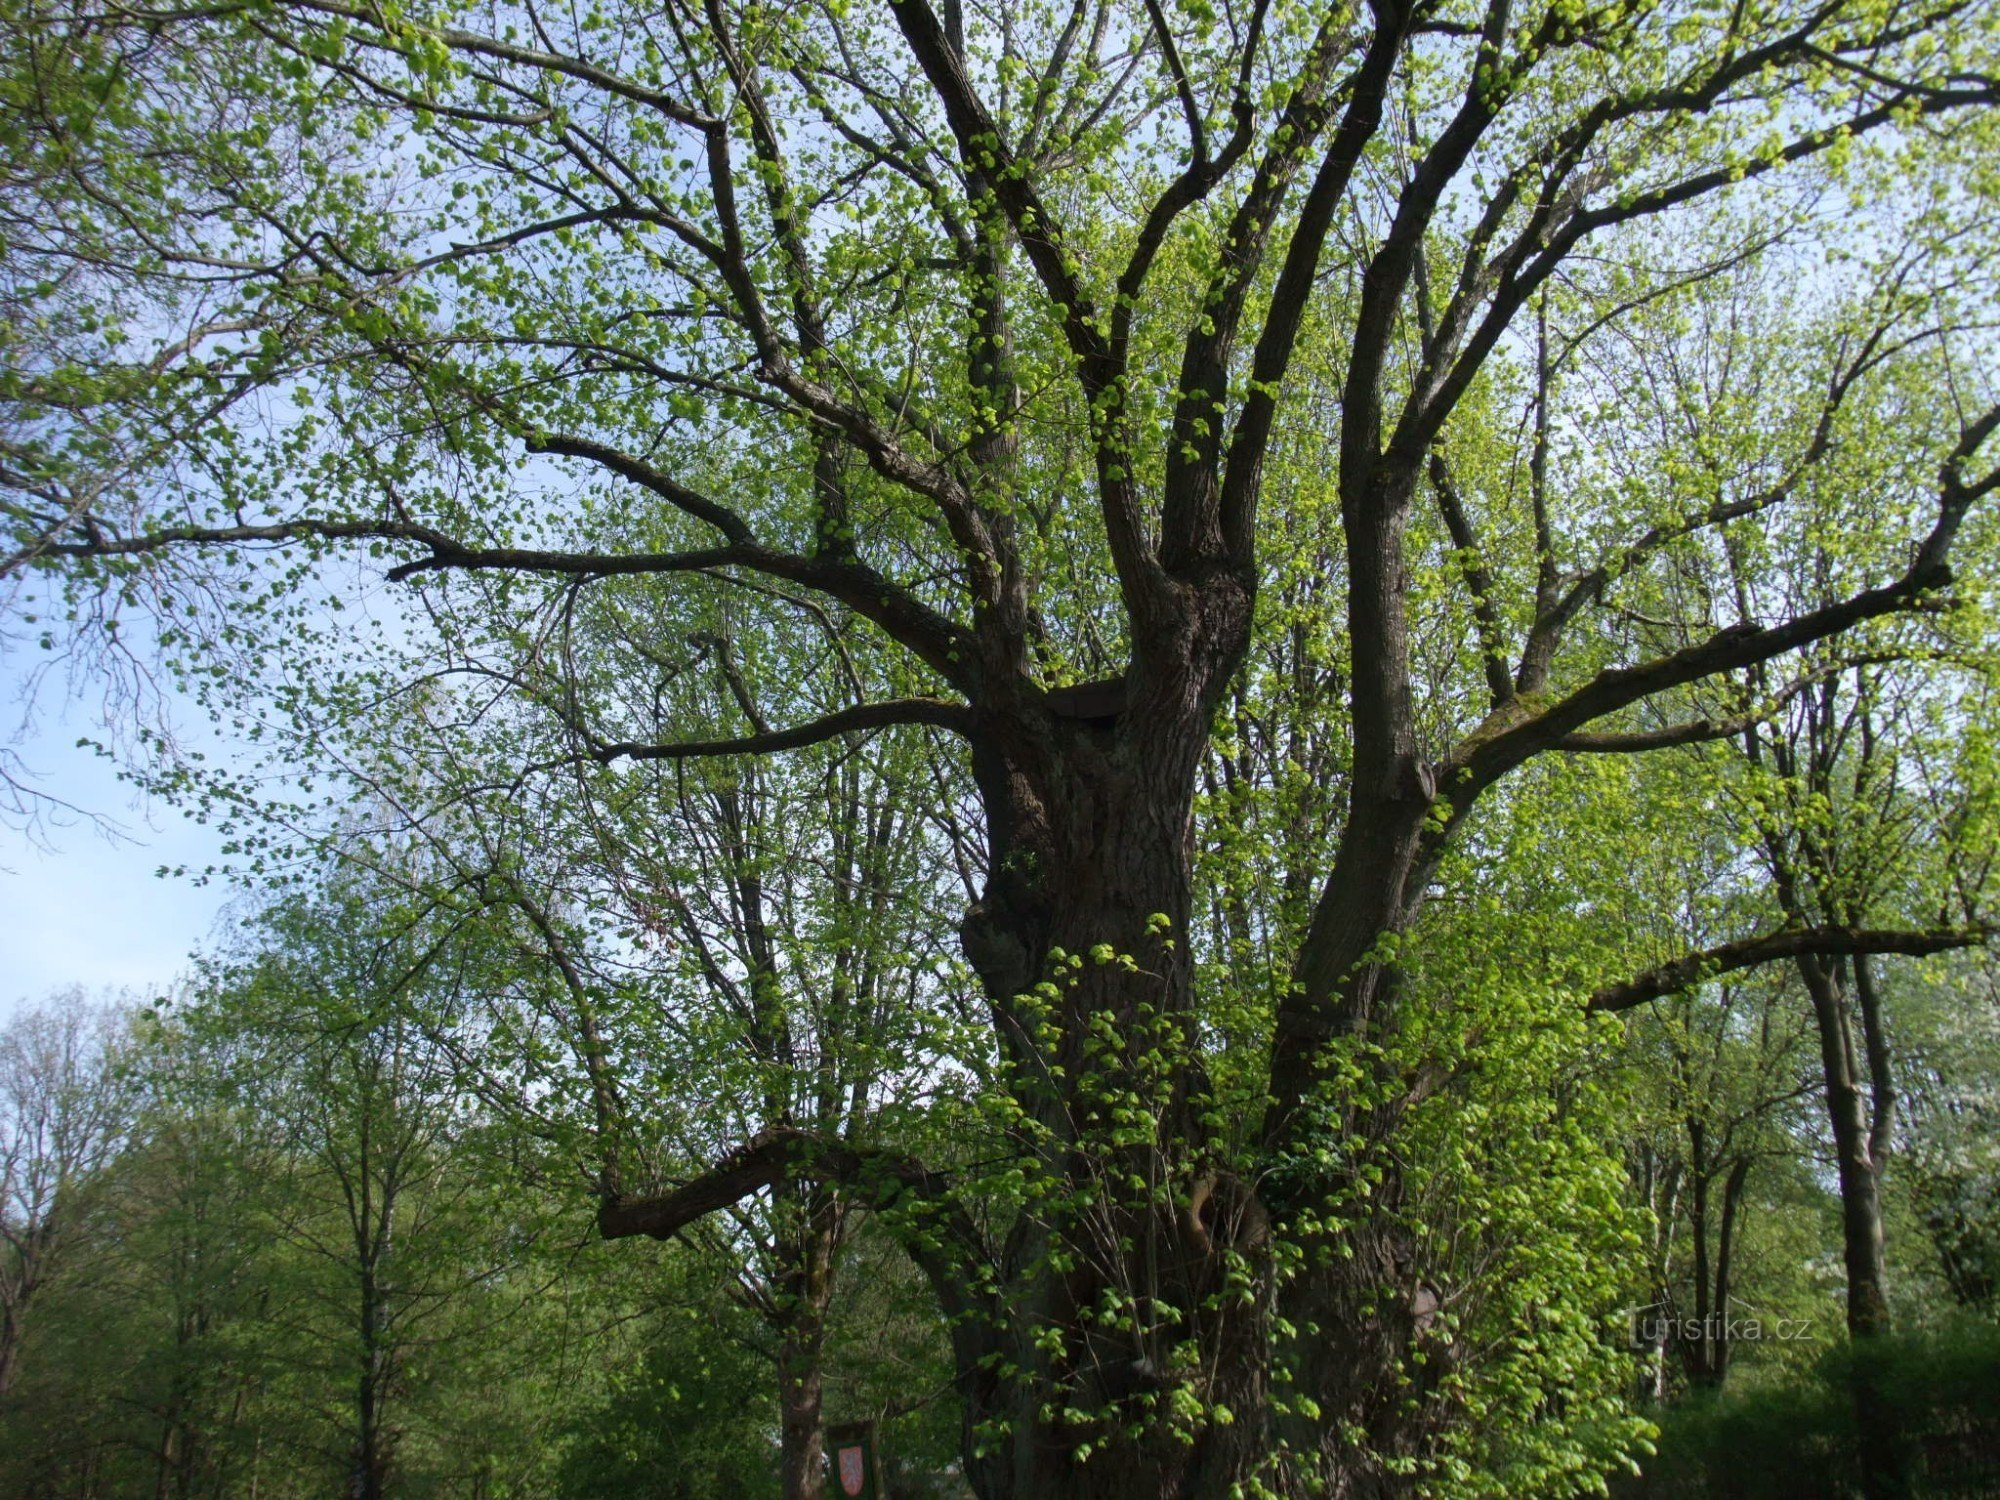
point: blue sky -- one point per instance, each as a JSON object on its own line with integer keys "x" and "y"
{"x": 75, "y": 906}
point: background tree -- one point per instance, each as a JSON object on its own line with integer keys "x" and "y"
{"x": 700, "y": 955}
{"x": 1949, "y": 1120}
{"x": 384, "y": 1182}
{"x": 1727, "y": 1069}
{"x": 65, "y": 1104}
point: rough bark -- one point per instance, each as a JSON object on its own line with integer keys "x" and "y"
{"x": 1884, "y": 1459}
{"x": 11, "y": 1309}
{"x": 809, "y": 1237}
{"x": 1092, "y": 856}
{"x": 801, "y": 1433}
{"x": 1862, "y": 1242}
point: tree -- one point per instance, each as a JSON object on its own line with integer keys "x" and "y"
{"x": 1865, "y": 825}
{"x": 88, "y": 192}
{"x": 981, "y": 331}
{"x": 1727, "y": 1072}
{"x": 699, "y": 955}
{"x": 65, "y": 1104}
{"x": 381, "y": 1192}
{"x": 812, "y": 955}
{"x": 232, "y": 1323}
{"x": 1951, "y": 1135}
{"x": 759, "y": 934}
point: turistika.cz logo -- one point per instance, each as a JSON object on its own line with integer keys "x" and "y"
{"x": 1658, "y": 1325}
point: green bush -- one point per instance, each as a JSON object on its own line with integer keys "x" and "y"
{"x": 1937, "y": 1393}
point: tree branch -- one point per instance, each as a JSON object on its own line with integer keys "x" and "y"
{"x": 1699, "y": 731}
{"x": 979, "y": 139}
{"x": 1512, "y": 734}
{"x": 1203, "y": 494}
{"x": 1478, "y": 576}
{"x": 766, "y": 1159}
{"x": 1542, "y": 247}
{"x": 1745, "y": 953}
{"x": 935, "y": 711}
{"x": 646, "y": 477}
{"x": 937, "y": 640}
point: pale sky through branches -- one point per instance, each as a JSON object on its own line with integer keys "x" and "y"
{"x": 77, "y": 907}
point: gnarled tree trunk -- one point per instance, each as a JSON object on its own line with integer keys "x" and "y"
{"x": 1112, "y": 1286}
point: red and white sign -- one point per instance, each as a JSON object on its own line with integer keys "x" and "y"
{"x": 853, "y": 1470}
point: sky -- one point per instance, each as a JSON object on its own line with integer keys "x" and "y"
{"x": 77, "y": 907}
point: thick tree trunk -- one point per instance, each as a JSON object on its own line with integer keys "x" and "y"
{"x": 1117, "y": 1265}
{"x": 1363, "y": 1288}
{"x": 811, "y": 1225}
{"x": 10, "y": 1343}
{"x": 1885, "y": 1458}
{"x": 802, "y": 1447}
{"x": 1137, "y": 1274}
{"x": 1159, "y": 1230}
{"x": 1368, "y": 1311}
{"x": 1847, "y": 1111}
{"x": 1361, "y": 1301}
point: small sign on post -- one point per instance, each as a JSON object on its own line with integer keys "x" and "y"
{"x": 856, "y": 1461}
